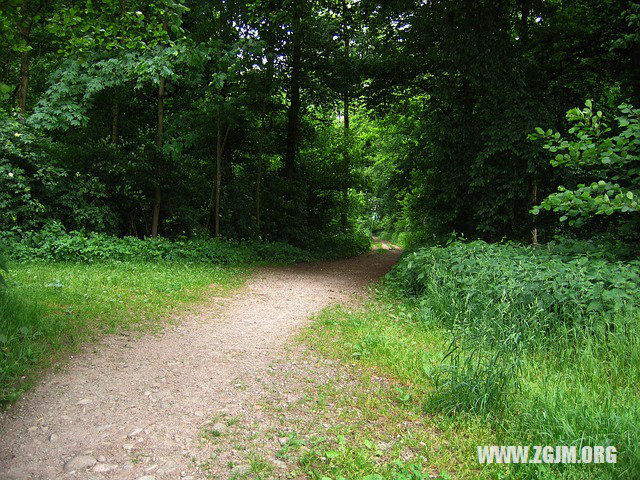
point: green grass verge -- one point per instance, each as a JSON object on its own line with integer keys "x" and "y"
{"x": 51, "y": 307}
{"x": 383, "y": 430}
{"x": 588, "y": 397}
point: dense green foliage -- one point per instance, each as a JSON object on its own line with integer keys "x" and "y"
{"x": 3, "y": 269}
{"x": 595, "y": 152}
{"x": 55, "y": 244}
{"x": 177, "y": 118}
{"x": 282, "y": 121}
{"x": 518, "y": 319}
{"x": 534, "y": 285}
{"x": 76, "y": 246}
{"x": 465, "y": 84}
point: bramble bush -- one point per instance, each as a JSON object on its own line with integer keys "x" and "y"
{"x": 502, "y": 302}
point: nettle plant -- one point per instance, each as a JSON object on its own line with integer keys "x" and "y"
{"x": 595, "y": 151}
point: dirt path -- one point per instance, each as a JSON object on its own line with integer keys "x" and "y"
{"x": 133, "y": 408}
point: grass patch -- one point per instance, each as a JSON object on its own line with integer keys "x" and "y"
{"x": 50, "y": 307}
{"x": 381, "y": 430}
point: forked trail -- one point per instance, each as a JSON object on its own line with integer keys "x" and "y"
{"x": 131, "y": 408}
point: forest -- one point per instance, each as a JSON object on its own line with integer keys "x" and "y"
{"x": 152, "y": 153}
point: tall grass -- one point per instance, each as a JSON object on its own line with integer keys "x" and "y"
{"x": 545, "y": 344}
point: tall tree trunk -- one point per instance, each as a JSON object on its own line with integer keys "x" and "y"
{"x": 220, "y": 144}
{"x": 30, "y": 15}
{"x": 524, "y": 7}
{"x": 115, "y": 107}
{"x": 24, "y": 82}
{"x": 216, "y": 224}
{"x": 294, "y": 108}
{"x": 346, "y": 157}
{"x": 263, "y": 109}
{"x": 159, "y": 142}
{"x": 347, "y": 163}
{"x": 260, "y": 160}
{"x": 214, "y": 198}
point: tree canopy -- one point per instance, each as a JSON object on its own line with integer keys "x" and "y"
{"x": 294, "y": 121}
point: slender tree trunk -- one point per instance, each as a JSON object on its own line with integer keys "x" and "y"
{"x": 294, "y": 108}
{"x": 115, "y": 107}
{"x": 347, "y": 163}
{"x": 214, "y": 199}
{"x": 24, "y": 29}
{"x": 216, "y": 224}
{"x": 524, "y": 8}
{"x": 346, "y": 157}
{"x": 24, "y": 82}
{"x": 260, "y": 160}
{"x": 157, "y": 198}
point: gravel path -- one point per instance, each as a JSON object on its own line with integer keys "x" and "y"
{"x": 132, "y": 408}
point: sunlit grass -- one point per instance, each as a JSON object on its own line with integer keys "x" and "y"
{"x": 392, "y": 358}
{"x": 567, "y": 396}
{"x": 51, "y": 307}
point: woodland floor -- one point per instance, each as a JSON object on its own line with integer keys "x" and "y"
{"x": 203, "y": 399}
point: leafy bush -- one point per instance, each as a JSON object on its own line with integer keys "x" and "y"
{"x": 35, "y": 185}
{"x": 54, "y": 244}
{"x": 527, "y": 281}
{"x": 603, "y": 247}
{"x": 341, "y": 245}
{"x": 500, "y": 301}
{"x": 609, "y": 161}
{"x": 77, "y": 246}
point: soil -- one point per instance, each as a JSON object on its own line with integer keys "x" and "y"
{"x": 139, "y": 407}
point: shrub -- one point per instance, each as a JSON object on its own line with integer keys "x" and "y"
{"x": 609, "y": 161}
{"x": 54, "y": 244}
{"x": 500, "y": 301}
{"x": 529, "y": 282}
{"x": 77, "y": 246}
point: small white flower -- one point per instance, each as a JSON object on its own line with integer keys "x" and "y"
{"x": 17, "y": 134}
{"x": 10, "y": 174}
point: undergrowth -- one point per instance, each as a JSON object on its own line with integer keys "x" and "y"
{"x": 53, "y": 243}
{"x": 541, "y": 344}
